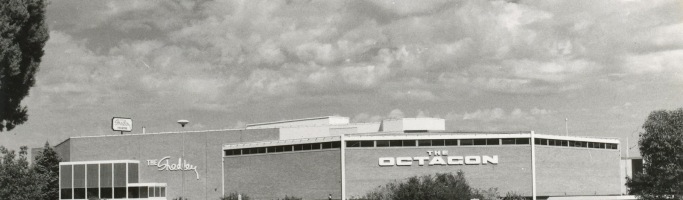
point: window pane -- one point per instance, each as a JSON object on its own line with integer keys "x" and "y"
{"x": 66, "y": 193}
{"x": 65, "y": 176}
{"x": 424, "y": 142}
{"x": 565, "y": 143}
{"x": 143, "y": 192}
{"x": 106, "y": 192}
{"x": 119, "y": 175}
{"x": 315, "y": 146}
{"x": 157, "y": 191}
{"x": 279, "y": 149}
{"x": 408, "y": 143}
{"x": 119, "y": 192}
{"x": 133, "y": 192}
{"x": 466, "y": 142}
{"x": 327, "y": 145}
{"x": 602, "y": 145}
{"x": 479, "y": 141}
{"x": 508, "y": 141}
{"x": 572, "y": 143}
{"x": 132, "y": 173}
{"x": 492, "y": 142}
{"x": 163, "y": 191}
{"x": 336, "y": 144}
{"x": 382, "y": 143}
{"x": 151, "y": 192}
{"x": 79, "y": 178}
{"x": 544, "y": 141}
{"x": 521, "y": 140}
{"x": 437, "y": 142}
{"x": 367, "y": 143}
{"x": 537, "y": 141}
{"x": 451, "y": 142}
{"x": 306, "y": 146}
{"x": 228, "y": 152}
{"x": 270, "y": 149}
{"x": 352, "y": 143}
{"x": 93, "y": 175}
{"x": 288, "y": 148}
{"x": 261, "y": 150}
{"x": 79, "y": 193}
{"x": 93, "y": 192}
{"x": 395, "y": 143}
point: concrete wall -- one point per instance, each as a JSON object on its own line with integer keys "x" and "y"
{"x": 307, "y": 174}
{"x": 512, "y": 173}
{"x": 577, "y": 171}
{"x": 64, "y": 150}
{"x": 201, "y": 149}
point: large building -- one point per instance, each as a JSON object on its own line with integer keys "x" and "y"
{"x": 316, "y": 157}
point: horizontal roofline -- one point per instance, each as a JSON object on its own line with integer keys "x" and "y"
{"x": 137, "y": 134}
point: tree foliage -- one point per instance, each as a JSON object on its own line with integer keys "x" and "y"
{"x": 24, "y": 33}
{"x": 446, "y": 186}
{"x": 661, "y": 146}
{"x": 235, "y": 196}
{"x": 20, "y": 181}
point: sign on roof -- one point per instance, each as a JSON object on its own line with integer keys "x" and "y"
{"x": 121, "y": 124}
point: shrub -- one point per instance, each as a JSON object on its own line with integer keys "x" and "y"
{"x": 180, "y": 198}
{"x": 291, "y": 198}
{"x": 235, "y": 196}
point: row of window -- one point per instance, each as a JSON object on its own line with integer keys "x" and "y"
{"x": 569, "y": 143}
{"x": 440, "y": 142}
{"x": 94, "y": 175}
{"x": 284, "y": 148}
{"x": 116, "y": 192}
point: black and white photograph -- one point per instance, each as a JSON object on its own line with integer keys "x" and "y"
{"x": 341, "y": 99}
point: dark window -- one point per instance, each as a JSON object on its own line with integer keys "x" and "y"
{"x": 437, "y": 142}
{"x": 270, "y": 149}
{"x": 315, "y": 146}
{"x": 327, "y": 145}
{"x": 395, "y": 143}
{"x": 424, "y": 143}
{"x": 521, "y": 140}
{"x": 590, "y": 144}
{"x": 306, "y": 146}
{"x": 367, "y": 143}
{"x": 133, "y": 192}
{"x": 603, "y": 145}
{"x": 382, "y": 143}
{"x": 119, "y": 192}
{"x": 143, "y": 192}
{"x": 65, "y": 178}
{"x": 79, "y": 193}
{"x": 479, "y": 141}
{"x": 352, "y": 143}
{"x": 106, "y": 192}
{"x": 132, "y": 173}
{"x": 79, "y": 179}
{"x": 544, "y": 141}
{"x": 492, "y": 142}
{"x": 551, "y": 142}
{"x": 572, "y": 143}
{"x": 163, "y": 191}
{"x": 261, "y": 150}
{"x": 288, "y": 148}
{"x": 298, "y": 147}
{"x": 565, "y": 143}
{"x": 279, "y": 149}
{"x": 157, "y": 191}
{"x": 151, "y": 192}
{"x": 228, "y": 152}
{"x": 584, "y": 144}
{"x": 537, "y": 141}
{"x": 93, "y": 193}
{"x": 452, "y": 142}
{"x": 466, "y": 142}
{"x": 336, "y": 144}
{"x": 119, "y": 176}
{"x": 508, "y": 141}
{"x": 66, "y": 193}
{"x": 409, "y": 143}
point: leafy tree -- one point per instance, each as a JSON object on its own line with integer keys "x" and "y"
{"x": 428, "y": 187}
{"x": 46, "y": 167}
{"x": 24, "y": 33}
{"x": 17, "y": 180}
{"x": 661, "y": 146}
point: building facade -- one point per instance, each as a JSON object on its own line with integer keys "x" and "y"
{"x": 315, "y": 158}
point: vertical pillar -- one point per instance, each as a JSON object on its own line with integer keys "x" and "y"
{"x": 533, "y": 166}
{"x": 343, "y": 167}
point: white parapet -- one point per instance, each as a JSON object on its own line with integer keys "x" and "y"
{"x": 413, "y": 124}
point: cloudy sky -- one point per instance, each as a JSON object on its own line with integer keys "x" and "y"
{"x": 481, "y": 65}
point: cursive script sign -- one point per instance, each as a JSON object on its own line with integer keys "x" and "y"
{"x": 164, "y": 164}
